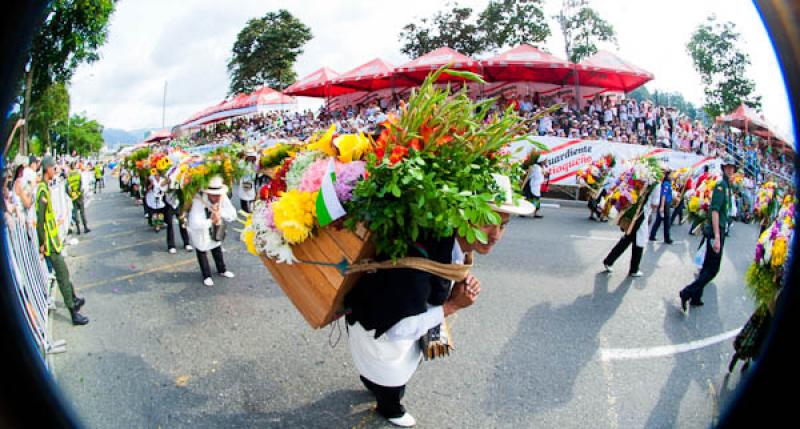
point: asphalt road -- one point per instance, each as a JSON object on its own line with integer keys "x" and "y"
{"x": 551, "y": 342}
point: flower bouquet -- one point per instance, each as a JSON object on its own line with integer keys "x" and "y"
{"x": 629, "y": 193}
{"x": 699, "y": 200}
{"x": 765, "y": 275}
{"x": 338, "y": 200}
{"x": 766, "y": 201}
{"x": 594, "y": 174}
{"x": 680, "y": 178}
{"x": 194, "y": 172}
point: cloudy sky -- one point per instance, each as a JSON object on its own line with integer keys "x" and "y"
{"x": 187, "y": 44}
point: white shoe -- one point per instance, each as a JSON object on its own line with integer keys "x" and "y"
{"x": 636, "y": 274}
{"x": 404, "y": 421}
{"x": 188, "y": 247}
{"x": 228, "y": 275}
{"x": 208, "y": 282}
{"x": 172, "y": 250}
{"x": 608, "y": 268}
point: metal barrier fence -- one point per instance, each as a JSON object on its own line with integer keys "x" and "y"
{"x": 30, "y": 274}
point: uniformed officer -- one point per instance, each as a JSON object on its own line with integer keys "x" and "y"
{"x": 50, "y": 244}
{"x": 714, "y": 232}
{"x": 98, "y": 177}
{"x": 75, "y": 191}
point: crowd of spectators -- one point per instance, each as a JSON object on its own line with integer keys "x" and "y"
{"x": 601, "y": 118}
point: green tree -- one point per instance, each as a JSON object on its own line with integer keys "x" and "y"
{"x": 71, "y": 34}
{"x": 79, "y": 134}
{"x": 265, "y": 52}
{"x": 722, "y": 65}
{"x": 501, "y": 23}
{"x": 511, "y": 23}
{"x": 583, "y": 28}
{"x": 51, "y": 108}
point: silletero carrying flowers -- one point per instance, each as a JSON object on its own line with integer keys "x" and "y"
{"x": 629, "y": 192}
{"x": 765, "y": 275}
{"x": 594, "y": 174}
{"x": 339, "y": 199}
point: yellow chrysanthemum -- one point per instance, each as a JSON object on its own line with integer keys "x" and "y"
{"x": 694, "y": 204}
{"x": 294, "y": 214}
{"x": 351, "y": 147}
{"x": 323, "y": 143}
{"x": 779, "y": 251}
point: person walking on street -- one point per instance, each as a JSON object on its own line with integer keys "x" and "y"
{"x": 50, "y": 245}
{"x": 211, "y": 208}
{"x": 714, "y": 233}
{"x": 665, "y": 203}
{"x": 535, "y": 182}
{"x": 678, "y": 213}
{"x": 172, "y": 213}
{"x": 75, "y": 190}
{"x": 247, "y": 184}
{"x": 154, "y": 200}
{"x": 98, "y": 177}
{"x": 635, "y": 236}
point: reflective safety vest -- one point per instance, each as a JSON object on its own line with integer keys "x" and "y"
{"x": 74, "y": 183}
{"x": 52, "y": 242}
{"x": 98, "y": 172}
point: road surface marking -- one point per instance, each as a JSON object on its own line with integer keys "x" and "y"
{"x": 611, "y": 399}
{"x": 551, "y": 205}
{"x": 116, "y": 248}
{"x": 660, "y": 351}
{"x": 593, "y": 237}
{"x": 137, "y": 274}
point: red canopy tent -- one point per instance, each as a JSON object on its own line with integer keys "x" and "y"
{"x": 526, "y": 63}
{"x": 157, "y": 136}
{"x": 260, "y": 100}
{"x": 417, "y": 70}
{"x": 606, "y": 70}
{"x": 372, "y": 76}
{"x": 317, "y": 84}
{"x": 748, "y": 119}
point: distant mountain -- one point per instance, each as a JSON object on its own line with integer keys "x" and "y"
{"x": 115, "y": 137}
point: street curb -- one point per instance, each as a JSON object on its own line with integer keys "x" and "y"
{"x": 564, "y": 203}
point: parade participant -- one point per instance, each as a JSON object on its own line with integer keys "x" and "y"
{"x": 172, "y": 212}
{"x": 211, "y": 208}
{"x": 98, "y": 177}
{"x": 154, "y": 200}
{"x": 390, "y": 310}
{"x": 134, "y": 188}
{"x": 664, "y": 204}
{"x": 714, "y": 234}
{"x": 636, "y": 236}
{"x": 247, "y": 187}
{"x": 50, "y": 244}
{"x": 535, "y": 182}
{"x": 678, "y": 213}
{"x": 74, "y": 187}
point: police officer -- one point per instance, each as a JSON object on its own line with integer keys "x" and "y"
{"x": 98, "y": 177}
{"x": 75, "y": 191}
{"x": 714, "y": 233}
{"x": 50, "y": 244}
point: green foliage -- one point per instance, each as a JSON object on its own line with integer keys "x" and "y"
{"x": 583, "y": 28}
{"x": 434, "y": 178}
{"x": 49, "y": 110}
{"x": 722, "y": 65}
{"x": 761, "y": 284}
{"x": 502, "y": 23}
{"x": 265, "y": 51}
{"x": 79, "y": 134}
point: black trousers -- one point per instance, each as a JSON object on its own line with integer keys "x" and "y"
{"x": 659, "y": 219}
{"x": 388, "y": 398}
{"x": 171, "y": 214}
{"x": 709, "y": 270}
{"x": 202, "y": 258}
{"x": 678, "y": 212}
{"x": 622, "y": 245}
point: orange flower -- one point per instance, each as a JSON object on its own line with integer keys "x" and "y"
{"x": 415, "y": 144}
{"x": 397, "y": 155}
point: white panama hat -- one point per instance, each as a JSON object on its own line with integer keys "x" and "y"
{"x": 522, "y": 207}
{"x": 216, "y": 186}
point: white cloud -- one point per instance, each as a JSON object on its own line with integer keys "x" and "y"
{"x": 188, "y": 43}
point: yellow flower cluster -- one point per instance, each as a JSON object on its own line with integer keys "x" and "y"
{"x": 352, "y": 147}
{"x": 779, "y": 252}
{"x": 323, "y": 143}
{"x": 694, "y": 203}
{"x": 294, "y": 214}
{"x": 163, "y": 164}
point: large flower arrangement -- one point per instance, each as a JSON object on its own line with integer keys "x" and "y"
{"x": 698, "y": 200}
{"x": 193, "y": 173}
{"x": 680, "y": 178}
{"x": 765, "y": 275}
{"x": 594, "y": 174}
{"x": 428, "y": 175}
{"x": 631, "y": 188}
{"x": 766, "y": 201}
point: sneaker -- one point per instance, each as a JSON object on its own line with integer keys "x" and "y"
{"x": 228, "y": 275}
{"x": 208, "y": 282}
{"x": 404, "y": 421}
{"x": 608, "y": 268}
{"x": 636, "y": 274}
{"x": 172, "y": 251}
{"x": 188, "y": 247}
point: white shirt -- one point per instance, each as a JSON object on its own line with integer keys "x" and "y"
{"x": 643, "y": 233}
{"x": 392, "y": 358}
{"x": 249, "y": 177}
{"x": 536, "y": 180}
{"x": 199, "y": 224}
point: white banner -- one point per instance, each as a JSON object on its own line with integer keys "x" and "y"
{"x": 565, "y": 156}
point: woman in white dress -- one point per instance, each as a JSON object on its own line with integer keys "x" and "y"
{"x": 211, "y": 208}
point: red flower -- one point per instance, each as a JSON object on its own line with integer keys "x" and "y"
{"x": 397, "y": 155}
{"x": 263, "y": 193}
{"x": 443, "y": 140}
{"x": 415, "y": 144}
